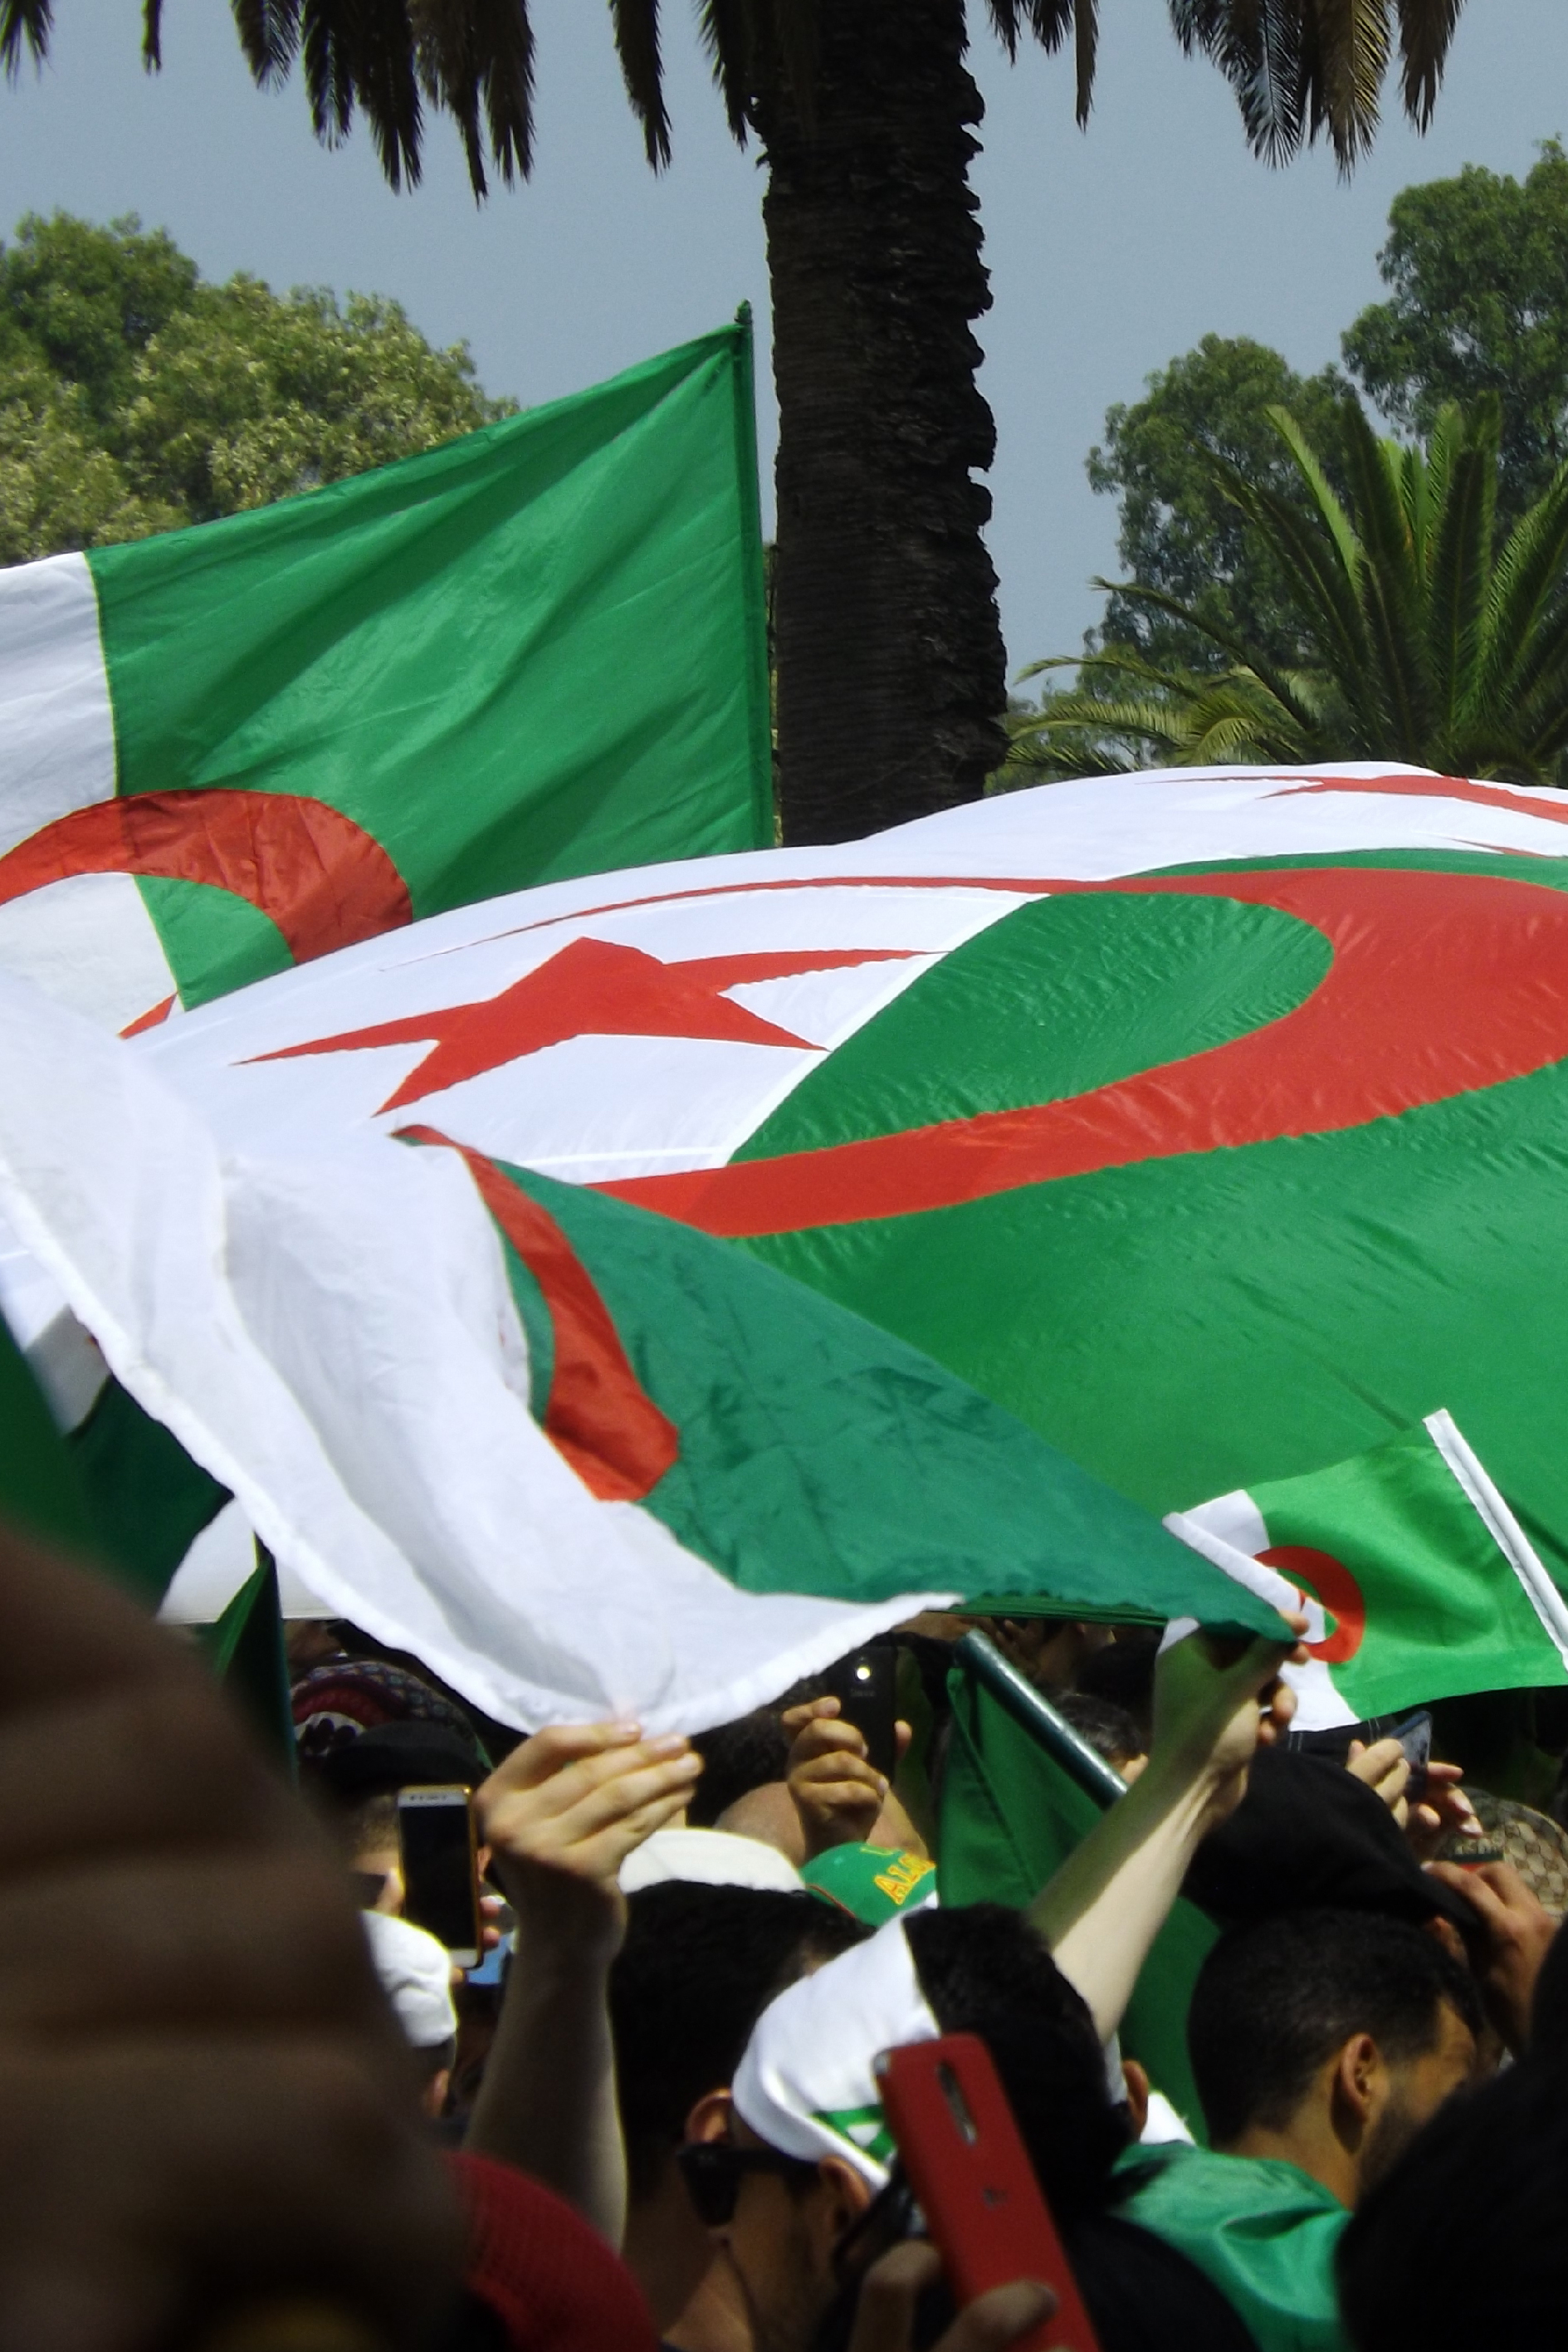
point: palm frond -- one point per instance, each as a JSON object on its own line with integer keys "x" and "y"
{"x": 1524, "y": 588}
{"x": 1050, "y": 21}
{"x": 636, "y": 26}
{"x": 1181, "y": 719}
{"x": 1275, "y": 680}
{"x": 1302, "y": 67}
{"x": 1390, "y": 584}
{"x": 727, "y": 31}
{"x": 268, "y": 36}
{"x": 23, "y": 24}
{"x": 1457, "y": 572}
{"x": 1426, "y": 30}
{"x": 1321, "y": 578}
{"x": 1350, "y": 40}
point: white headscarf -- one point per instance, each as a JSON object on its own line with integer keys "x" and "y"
{"x": 805, "y": 2084}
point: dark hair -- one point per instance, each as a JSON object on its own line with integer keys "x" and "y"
{"x": 1123, "y": 1672}
{"x": 1109, "y": 1731}
{"x": 1275, "y": 1999}
{"x": 984, "y": 1970}
{"x": 1462, "y": 2242}
{"x": 698, "y": 1966}
{"x": 737, "y": 1757}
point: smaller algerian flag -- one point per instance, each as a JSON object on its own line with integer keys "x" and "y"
{"x": 1418, "y": 1580}
{"x": 537, "y": 650}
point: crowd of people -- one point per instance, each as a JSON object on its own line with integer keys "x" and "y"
{"x": 247, "y": 2105}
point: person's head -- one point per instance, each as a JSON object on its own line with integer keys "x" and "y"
{"x": 813, "y": 2151}
{"x": 1110, "y": 1730}
{"x": 1462, "y": 2242}
{"x": 1329, "y": 2037}
{"x": 365, "y": 1832}
{"x": 698, "y": 1966}
{"x": 738, "y": 1756}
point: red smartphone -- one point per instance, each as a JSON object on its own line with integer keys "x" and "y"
{"x": 973, "y": 2181}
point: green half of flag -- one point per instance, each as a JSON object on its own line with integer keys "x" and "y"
{"x": 537, "y": 651}
{"x": 1011, "y": 1817}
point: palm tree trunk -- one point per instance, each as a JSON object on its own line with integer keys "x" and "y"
{"x": 891, "y": 674}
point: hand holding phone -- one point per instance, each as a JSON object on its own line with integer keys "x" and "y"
{"x": 973, "y": 2180}
{"x": 865, "y": 1686}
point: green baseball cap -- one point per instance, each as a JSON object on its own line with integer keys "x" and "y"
{"x": 874, "y": 1883}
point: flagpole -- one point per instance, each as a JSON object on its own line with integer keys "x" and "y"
{"x": 1033, "y": 1713}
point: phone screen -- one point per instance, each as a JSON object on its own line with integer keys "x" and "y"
{"x": 439, "y": 1890}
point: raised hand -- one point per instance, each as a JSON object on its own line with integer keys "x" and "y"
{"x": 1518, "y": 1932}
{"x": 838, "y": 1793}
{"x": 884, "y": 2316}
{"x": 565, "y": 1810}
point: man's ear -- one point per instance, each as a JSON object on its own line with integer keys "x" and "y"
{"x": 1358, "y": 2082}
{"x": 847, "y": 2193}
{"x": 709, "y": 2119}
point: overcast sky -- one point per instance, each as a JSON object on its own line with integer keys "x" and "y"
{"x": 1110, "y": 251}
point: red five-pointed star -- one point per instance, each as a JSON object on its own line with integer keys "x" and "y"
{"x": 592, "y": 989}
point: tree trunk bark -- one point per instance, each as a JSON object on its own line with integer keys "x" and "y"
{"x": 891, "y": 673}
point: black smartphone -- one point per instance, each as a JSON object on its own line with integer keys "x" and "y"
{"x": 440, "y": 1871}
{"x": 1414, "y": 1736}
{"x": 865, "y": 1686}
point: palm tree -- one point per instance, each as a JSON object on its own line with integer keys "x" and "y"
{"x": 1421, "y": 639}
{"x": 890, "y": 677}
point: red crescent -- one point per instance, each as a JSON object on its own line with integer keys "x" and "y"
{"x": 1440, "y": 984}
{"x": 324, "y": 881}
{"x": 1329, "y": 1581}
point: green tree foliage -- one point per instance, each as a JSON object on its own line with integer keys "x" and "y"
{"x": 134, "y": 397}
{"x": 1478, "y": 272}
{"x": 1424, "y": 640}
{"x": 891, "y": 665}
{"x": 1180, "y": 532}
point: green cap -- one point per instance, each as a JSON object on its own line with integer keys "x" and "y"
{"x": 874, "y": 1883}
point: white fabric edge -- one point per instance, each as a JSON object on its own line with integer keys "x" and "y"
{"x": 288, "y": 1540}
{"x": 1504, "y": 1529}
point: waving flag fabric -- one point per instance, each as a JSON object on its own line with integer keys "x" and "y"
{"x": 536, "y": 651}
{"x": 1418, "y": 1580}
{"x": 579, "y": 1458}
{"x": 1214, "y": 1124}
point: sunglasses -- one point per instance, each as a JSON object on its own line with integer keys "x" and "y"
{"x": 713, "y": 2170}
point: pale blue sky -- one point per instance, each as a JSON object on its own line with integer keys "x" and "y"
{"x": 1110, "y": 251}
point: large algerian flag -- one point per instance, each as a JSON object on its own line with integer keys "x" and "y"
{"x": 1213, "y": 1123}
{"x": 536, "y": 651}
{"x": 1418, "y": 1580}
{"x": 577, "y": 1458}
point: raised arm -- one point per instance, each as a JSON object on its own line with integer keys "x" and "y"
{"x": 560, "y": 1816}
{"x": 1214, "y": 1703}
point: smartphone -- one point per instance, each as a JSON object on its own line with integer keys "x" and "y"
{"x": 865, "y": 1686}
{"x": 1414, "y": 1736}
{"x": 440, "y": 1868}
{"x": 974, "y": 2183}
